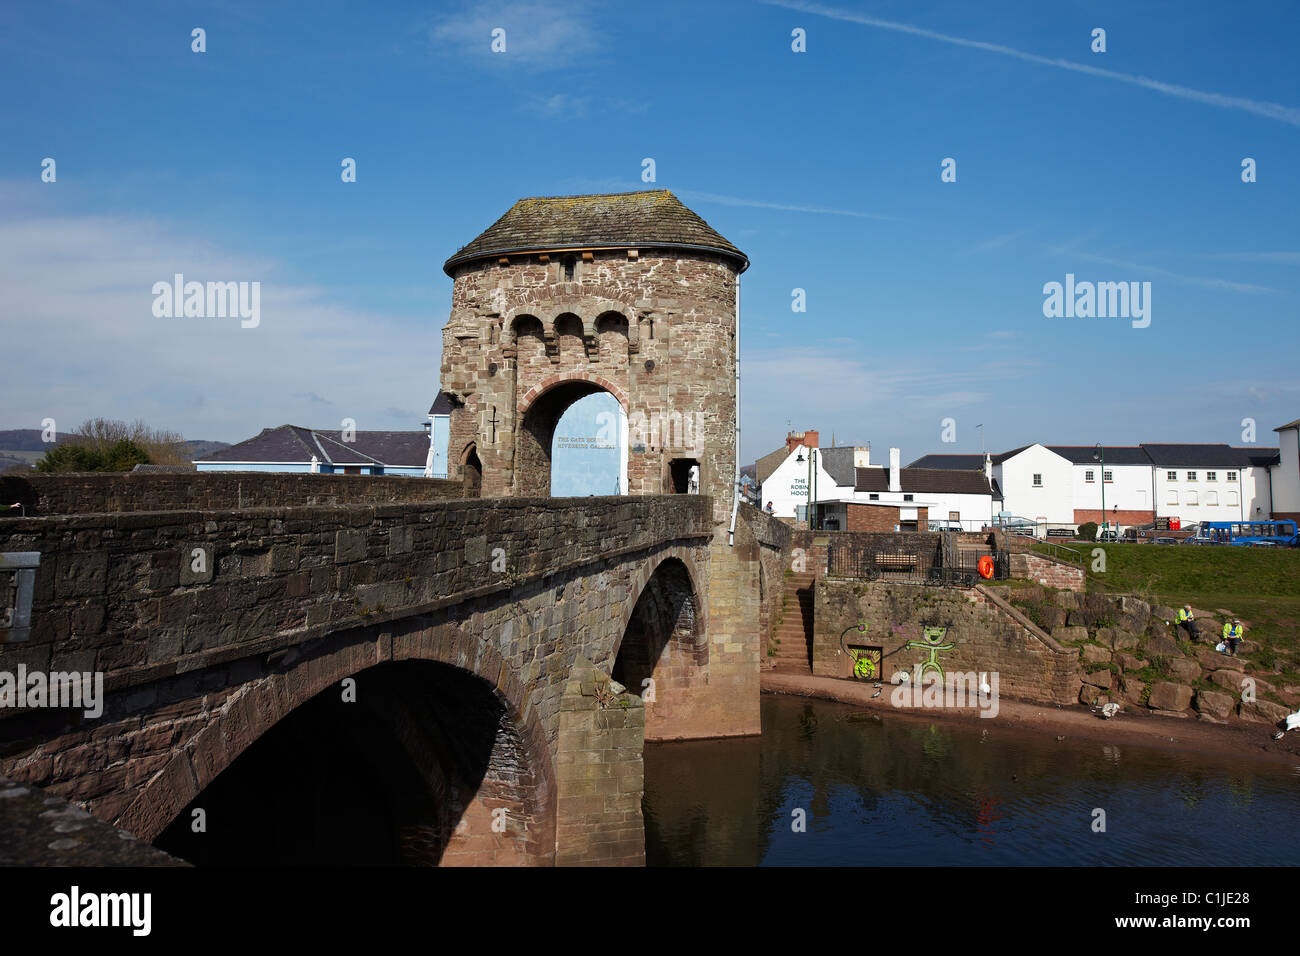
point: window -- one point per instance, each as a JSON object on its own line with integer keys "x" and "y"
{"x": 1107, "y": 476}
{"x": 907, "y": 497}
{"x": 873, "y": 497}
{"x": 1038, "y": 480}
{"x": 1211, "y": 476}
{"x": 1191, "y": 476}
{"x": 1172, "y": 499}
{"x": 1089, "y": 475}
{"x": 569, "y": 266}
{"x": 1191, "y": 498}
{"x": 954, "y": 515}
{"x": 1232, "y": 498}
{"x": 1171, "y": 476}
{"x": 1211, "y": 497}
{"x": 1232, "y": 476}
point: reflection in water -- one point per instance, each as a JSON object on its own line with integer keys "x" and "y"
{"x": 899, "y": 792}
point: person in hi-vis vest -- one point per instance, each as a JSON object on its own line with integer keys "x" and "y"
{"x": 1232, "y": 632}
{"x": 1187, "y": 622}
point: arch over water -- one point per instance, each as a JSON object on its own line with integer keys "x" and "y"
{"x": 663, "y": 654}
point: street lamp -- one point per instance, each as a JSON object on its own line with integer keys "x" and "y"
{"x": 1100, "y": 455}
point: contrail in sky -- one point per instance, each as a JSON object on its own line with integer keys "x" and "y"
{"x": 1285, "y": 114}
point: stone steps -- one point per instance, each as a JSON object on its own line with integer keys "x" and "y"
{"x": 793, "y": 653}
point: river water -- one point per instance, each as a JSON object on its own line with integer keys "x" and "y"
{"x": 895, "y": 791}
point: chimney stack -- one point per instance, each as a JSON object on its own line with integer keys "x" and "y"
{"x": 795, "y": 439}
{"x": 862, "y": 456}
{"x": 895, "y": 481}
{"x": 988, "y": 467}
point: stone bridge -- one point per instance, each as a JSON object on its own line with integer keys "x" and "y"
{"x": 347, "y": 669}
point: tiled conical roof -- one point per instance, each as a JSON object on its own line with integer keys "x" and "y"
{"x": 651, "y": 218}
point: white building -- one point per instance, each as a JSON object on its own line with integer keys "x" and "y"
{"x": 1062, "y": 485}
{"x": 868, "y": 497}
{"x": 1037, "y": 484}
{"x": 1284, "y": 473}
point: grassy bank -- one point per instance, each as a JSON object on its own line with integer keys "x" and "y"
{"x": 1262, "y": 585}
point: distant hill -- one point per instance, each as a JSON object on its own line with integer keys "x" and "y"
{"x": 23, "y": 446}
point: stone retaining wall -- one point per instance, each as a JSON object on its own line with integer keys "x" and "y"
{"x": 987, "y": 635}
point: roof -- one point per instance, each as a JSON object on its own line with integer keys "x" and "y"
{"x": 1114, "y": 454}
{"x": 1282, "y": 428}
{"x": 837, "y": 461}
{"x": 959, "y": 462}
{"x": 1223, "y": 456}
{"x": 441, "y": 405}
{"x": 293, "y": 443}
{"x": 647, "y": 218}
{"x": 999, "y": 459}
{"x": 925, "y": 481}
{"x": 1259, "y": 457}
{"x": 769, "y": 463}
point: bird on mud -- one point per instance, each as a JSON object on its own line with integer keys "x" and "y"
{"x": 1292, "y": 723}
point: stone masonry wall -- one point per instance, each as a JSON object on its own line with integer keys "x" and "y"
{"x": 1048, "y": 571}
{"x": 91, "y": 493}
{"x": 988, "y": 635}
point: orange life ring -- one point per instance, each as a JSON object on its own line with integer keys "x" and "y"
{"x": 986, "y": 567}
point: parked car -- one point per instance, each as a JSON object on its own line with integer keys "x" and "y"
{"x": 1198, "y": 539}
{"x": 1107, "y": 536}
{"x": 1164, "y": 540}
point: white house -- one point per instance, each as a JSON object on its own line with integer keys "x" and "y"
{"x": 1119, "y": 476}
{"x": 901, "y": 499}
{"x": 1284, "y": 474}
{"x": 787, "y": 486}
{"x": 1037, "y": 484}
{"x": 1209, "y": 483}
{"x": 1063, "y": 485}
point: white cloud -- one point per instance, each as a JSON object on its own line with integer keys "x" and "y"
{"x": 82, "y": 341}
{"x": 537, "y": 34}
{"x": 692, "y": 195}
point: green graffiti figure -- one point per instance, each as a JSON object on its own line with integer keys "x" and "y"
{"x": 865, "y": 663}
{"x": 933, "y": 635}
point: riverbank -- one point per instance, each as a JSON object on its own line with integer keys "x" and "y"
{"x": 1238, "y": 739}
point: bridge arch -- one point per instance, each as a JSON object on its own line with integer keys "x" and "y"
{"x": 663, "y": 650}
{"x": 441, "y": 706}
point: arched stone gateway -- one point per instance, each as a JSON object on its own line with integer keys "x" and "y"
{"x": 541, "y": 410}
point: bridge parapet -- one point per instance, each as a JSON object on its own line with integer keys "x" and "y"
{"x": 155, "y": 593}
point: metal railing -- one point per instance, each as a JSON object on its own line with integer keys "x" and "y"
{"x": 945, "y": 567}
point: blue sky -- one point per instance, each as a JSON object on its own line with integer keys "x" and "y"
{"x": 924, "y": 298}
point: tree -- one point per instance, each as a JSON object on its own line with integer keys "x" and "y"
{"x": 162, "y": 447}
{"x": 121, "y": 455}
{"x": 1088, "y": 531}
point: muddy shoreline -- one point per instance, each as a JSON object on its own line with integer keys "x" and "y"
{"x": 1236, "y": 740}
